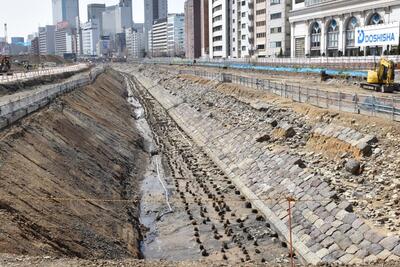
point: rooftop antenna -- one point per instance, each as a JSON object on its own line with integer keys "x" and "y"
{"x": 5, "y": 32}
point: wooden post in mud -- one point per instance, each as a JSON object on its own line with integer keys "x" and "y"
{"x": 290, "y": 200}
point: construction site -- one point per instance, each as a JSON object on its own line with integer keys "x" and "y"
{"x": 165, "y": 164}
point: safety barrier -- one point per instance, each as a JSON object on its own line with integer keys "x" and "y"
{"x": 386, "y": 107}
{"x": 17, "y": 108}
{"x": 20, "y": 76}
{"x": 338, "y": 63}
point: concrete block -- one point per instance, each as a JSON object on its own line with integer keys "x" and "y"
{"x": 390, "y": 242}
{"x": 3, "y": 122}
{"x": 17, "y": 115}
{"x": 32, "y": 108}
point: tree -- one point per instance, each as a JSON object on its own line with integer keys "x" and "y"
{"x": 281, "y": 52}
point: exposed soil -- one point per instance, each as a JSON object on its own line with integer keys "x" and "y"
{"x": 69, "y": 177}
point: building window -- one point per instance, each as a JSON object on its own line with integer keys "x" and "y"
{"x": 315, "y": 36}
{"x": 333, "y": 35}
{"x": 260, "y": 23}
{"x": 375, "y": 19}
{"x": 217, "y": 18}
{"x": 276, "y": 15}
{"x": 350, "y": 32}
{"x": 275, "y": 2}
{"x": 243, "y": 48}
{"x": 275, "y": 44}
{"x": 276, "y": 30}
{"x": 261, "y": 11}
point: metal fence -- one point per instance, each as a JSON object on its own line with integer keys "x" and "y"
{"x": 386, "y": 107}
{"x": 344, "y": 63}
{"x": 19, "y": 76}
{"x": 48, "y": 92}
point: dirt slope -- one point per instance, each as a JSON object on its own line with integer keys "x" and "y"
{"x": 82, "y": 147}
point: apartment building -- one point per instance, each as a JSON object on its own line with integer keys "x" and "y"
{"x": 278, "y": 28}
{"x": 219, "y": 27}
{"x": 260, "y": 28}
{"x": 242, "y": 28}
{"x": 328, "y": 27}
{"x": 158, "y": 38}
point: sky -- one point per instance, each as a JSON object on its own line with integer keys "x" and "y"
{"x": 23, "y": 17}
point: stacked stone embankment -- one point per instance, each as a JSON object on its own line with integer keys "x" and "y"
{"x": 257, "y": 150}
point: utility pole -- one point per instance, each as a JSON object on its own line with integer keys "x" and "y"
{"x": 5, "y": 32}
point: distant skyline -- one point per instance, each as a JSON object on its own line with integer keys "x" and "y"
{"x": 23, "y": 17}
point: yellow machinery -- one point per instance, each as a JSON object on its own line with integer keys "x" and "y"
{"x": 382, "y": 78}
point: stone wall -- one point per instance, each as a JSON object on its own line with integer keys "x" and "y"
{"x": 325, "y": 228}
{"x": 20, "y": 107}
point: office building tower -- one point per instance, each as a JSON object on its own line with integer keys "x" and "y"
{"x": 193, "y": 29}
{"x": 153, "y": 10}
{"x": 65, "y": 10}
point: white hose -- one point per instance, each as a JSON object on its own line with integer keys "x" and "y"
{"x": 165, "y": 189}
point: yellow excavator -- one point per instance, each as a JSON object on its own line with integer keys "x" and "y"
{"x": 382, "y": 78}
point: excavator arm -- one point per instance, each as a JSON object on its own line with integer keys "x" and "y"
{"x": 382, "y": 78}
{"x": 386, "y": 71}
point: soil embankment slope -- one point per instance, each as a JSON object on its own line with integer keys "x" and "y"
{"x": 59, "y": 165}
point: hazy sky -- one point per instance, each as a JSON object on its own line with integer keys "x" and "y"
{"x": 24, "y": 16}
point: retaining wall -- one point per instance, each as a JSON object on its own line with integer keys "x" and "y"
{"x": 19, "y": 107}
{"x": 324, "y": 228}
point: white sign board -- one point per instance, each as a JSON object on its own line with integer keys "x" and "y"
{"x": 378, "y": 35}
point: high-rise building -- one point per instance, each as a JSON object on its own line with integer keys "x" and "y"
{"x": 65, "y": 10}
{"x": 193, "y": 28}
{"x": 34, "y": 48}
{"x": 47, "y": 40}
{"x": 95, "y": 11}
{"x": 158, "y": 38}
{"x": 205, "y": 35}
{"x": 90, "y": 37}
{"x": 219, "y": 24}
{"x": 278, "y": 28}
{"x": 242, "y": 29}
{"x": 135, "y": 41}
{"x": 153, "y": 10}
{"x": 127, "y": 3}
{"x": 65, "y": 40}
{"x": 260, "y": 28}
{"x": 116, "y": 19}
{"x": 176, "y": 35}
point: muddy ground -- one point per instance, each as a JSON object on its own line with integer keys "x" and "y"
{"x": 210, "y": 219}
{"x": 61, "y": 169}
